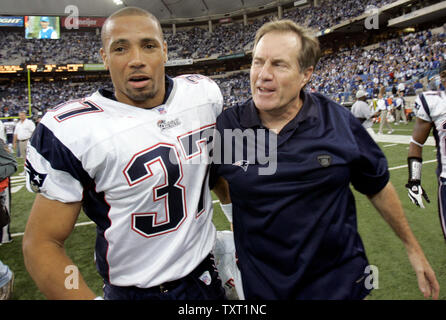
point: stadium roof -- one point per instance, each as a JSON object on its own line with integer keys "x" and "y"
{"x": 165, "y": 10}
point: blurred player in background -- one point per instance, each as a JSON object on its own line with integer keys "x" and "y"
{"x": 9, "y": 129}
{"x": 431, "y": 113}
{"x": 129, "y": 159}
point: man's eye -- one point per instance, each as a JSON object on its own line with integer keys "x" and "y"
{"x": 281, "y": 65}
{"x": 118, "y": 49}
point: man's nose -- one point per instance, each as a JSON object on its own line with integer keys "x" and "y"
{"x": 266, "y": 72}
{"x": 136, "y": 59}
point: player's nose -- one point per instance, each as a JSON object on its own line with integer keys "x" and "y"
{"x": 136, "y": 59}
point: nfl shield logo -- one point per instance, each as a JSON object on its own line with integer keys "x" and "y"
{"x": 324, "y": 160}
{"x": 161, "y": 110}
{"x": 206, "y": 278}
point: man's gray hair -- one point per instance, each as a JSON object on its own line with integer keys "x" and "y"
{"x": 310, "y": 52}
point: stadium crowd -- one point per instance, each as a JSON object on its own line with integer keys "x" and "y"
{"x": 235, "y": 88}
{"x": 196, "y": 42}
{"x": 401, "y": 60}
{"x": 332, "y": 12}
{"x": 404, "y": 59}
{"x": 44, "y": 95}
{"x": 72, "y": 47}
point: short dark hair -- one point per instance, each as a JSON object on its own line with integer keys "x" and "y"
{"x": 129, "y": 11}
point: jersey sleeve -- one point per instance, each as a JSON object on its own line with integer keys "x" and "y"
{"x": 52, "y": 169}
{"x": 216, "y": 96}
{"x": 202, "y": 88}
{"x": 421, "y": 111}
{"x": 369, "y": 170}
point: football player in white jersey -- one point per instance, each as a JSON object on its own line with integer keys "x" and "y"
{"x": 431, "y": 113}
{"x": 136, "y": 160}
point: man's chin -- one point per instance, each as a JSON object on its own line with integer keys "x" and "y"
{"x": 263, "y": 105}
{"x": 141, "y": 96}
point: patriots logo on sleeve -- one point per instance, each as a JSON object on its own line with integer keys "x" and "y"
{"x": 36, "y": 179}
{"x": 416, "y": 106}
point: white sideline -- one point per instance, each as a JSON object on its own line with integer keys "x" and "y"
{"x": 405, "y": 166}
{"x": 396, "y": 138}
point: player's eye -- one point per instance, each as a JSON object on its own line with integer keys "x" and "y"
{"x": 118, "y": 49}
{"x": 257, "y": 63}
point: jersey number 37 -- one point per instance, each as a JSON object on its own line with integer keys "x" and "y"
{"x": 164, "y": 158}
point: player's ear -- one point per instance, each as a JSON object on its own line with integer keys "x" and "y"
{"x": 104, "y": 58}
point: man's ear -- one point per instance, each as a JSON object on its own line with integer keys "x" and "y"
{"x": 307, "y": 74}
{"x": 104, "y": 58}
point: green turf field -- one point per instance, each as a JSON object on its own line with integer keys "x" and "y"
{"x": 396, "y": 280}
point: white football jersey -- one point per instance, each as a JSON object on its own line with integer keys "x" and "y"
{"x": 434, "y": 110}
{"x": 142, "y": 175}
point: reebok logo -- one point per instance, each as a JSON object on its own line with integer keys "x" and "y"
{"x": 324, "y": 160}
{"x": 164, "y": 125}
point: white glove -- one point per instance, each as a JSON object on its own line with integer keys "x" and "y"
{"x": 416, "y": 193}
